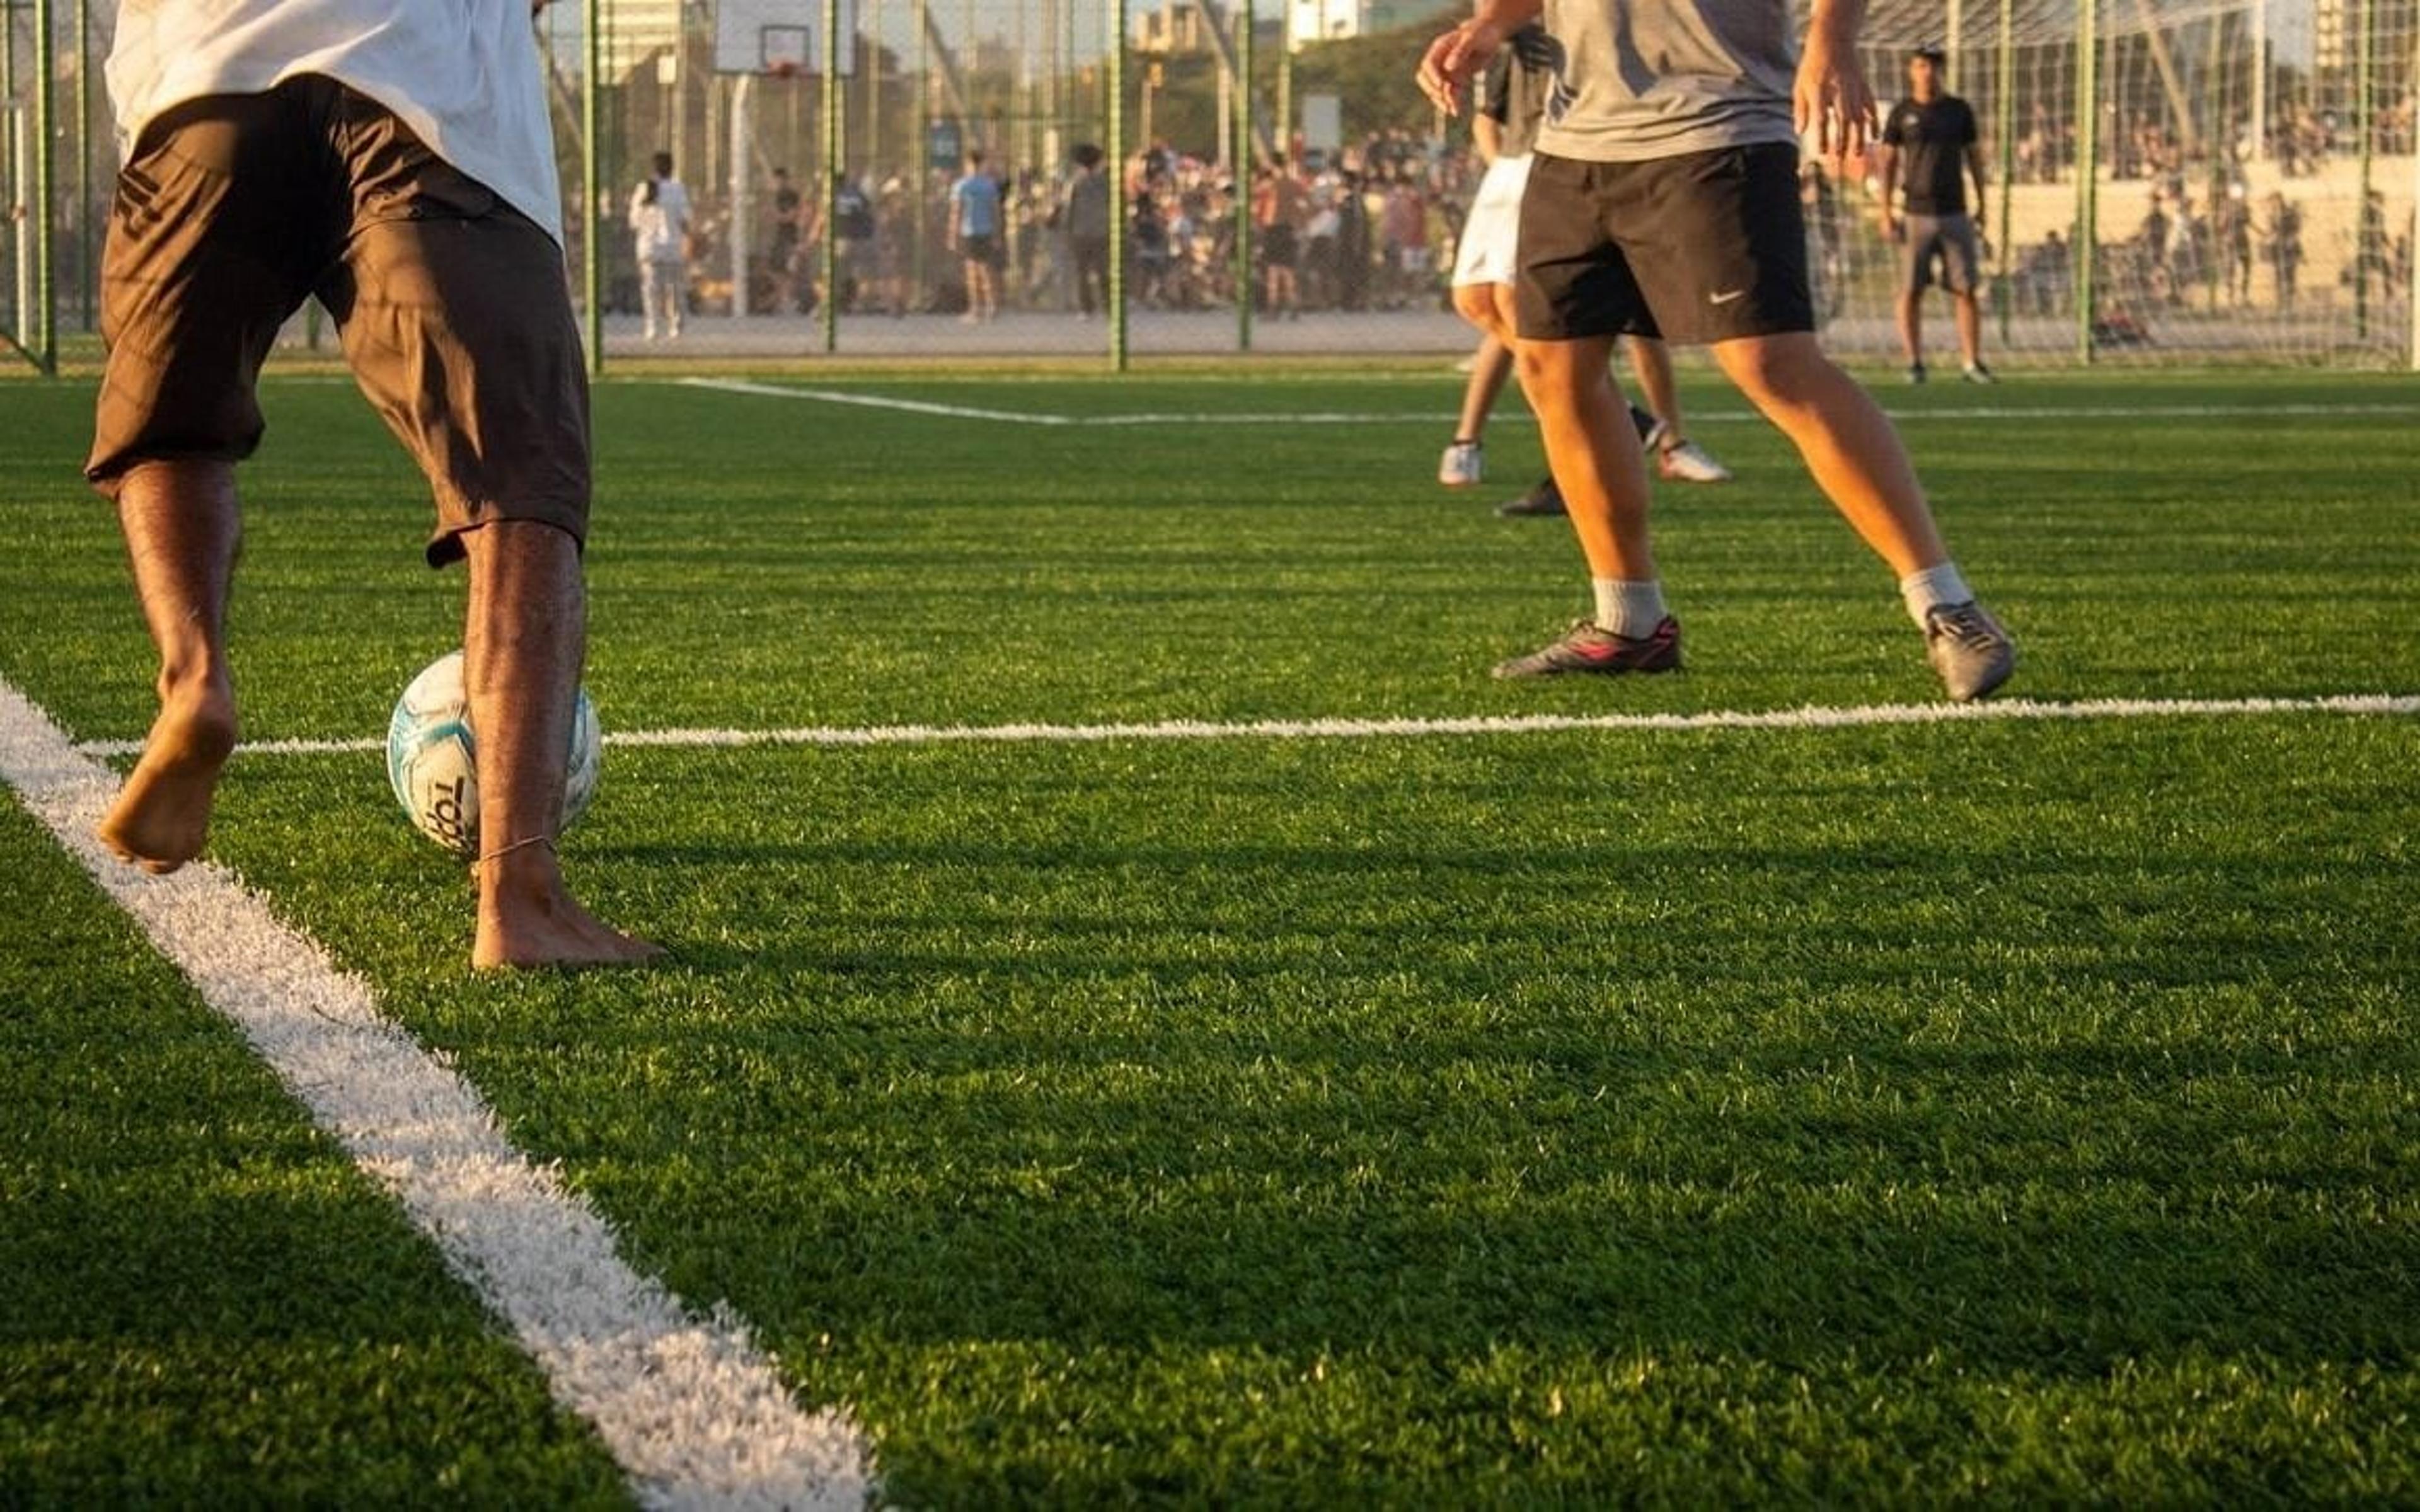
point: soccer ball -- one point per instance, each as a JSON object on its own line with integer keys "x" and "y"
{"x": 431, "y": 758}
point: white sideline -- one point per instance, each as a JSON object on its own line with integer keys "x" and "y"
{"x": 1518, "y": 416}
{"x": 695, "y": 1414}
{"x": 1816, "y": 718}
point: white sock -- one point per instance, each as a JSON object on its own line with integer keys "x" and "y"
{"x": 1927, "y": 591}
{"x": 1629, "y": 608}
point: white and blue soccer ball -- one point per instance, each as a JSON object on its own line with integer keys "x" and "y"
{"x": 431, "y": 757}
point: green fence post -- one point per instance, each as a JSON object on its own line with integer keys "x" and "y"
{"x": 1119, "y": 210}
{"x": 920, "y": 152}
{"x": 2368, "y": 249}
{"x": 46, "y": 304}
{"x": 2086, "y": 250}
{"x": 592, "y": 242}
{"x": 2007, "y": 118}
{"x": 1243, "y": 155}
{"x": 834, "y": 166}
{"x": 87, "y": 246}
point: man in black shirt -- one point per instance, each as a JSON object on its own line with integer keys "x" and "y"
{"x": 1930, "y": 148}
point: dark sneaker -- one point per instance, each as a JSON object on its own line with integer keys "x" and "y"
{"x": 1646, "y": 424}
{"x": 1915, "y": 373}
{"x": 1545, "y": 498}
{"x": 1587, "y": 649}
{"x": 1970, "y": 651}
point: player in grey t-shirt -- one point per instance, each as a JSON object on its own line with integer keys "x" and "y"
{"x": 1512, "y": 106}
{"x": 1663, "y": 200}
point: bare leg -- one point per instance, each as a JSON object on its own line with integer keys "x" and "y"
{"x": 1490, "y": 365}
{"x": 181, "y": 529}
{"x": 1651, "y": 363}
{"x": 1970, "y": 328}
{"x": 1593, "y": 451}
{"x": 525, "y": 639}
{"x": 1910, "y": 325}
{"x": 1847, "y": 441}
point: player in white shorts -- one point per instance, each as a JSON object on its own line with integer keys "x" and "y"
{"x": 1512, "y": 99}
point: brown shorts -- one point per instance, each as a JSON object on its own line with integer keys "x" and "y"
{"x": 1710, "y": 246}
{"x": 235, "y": 208}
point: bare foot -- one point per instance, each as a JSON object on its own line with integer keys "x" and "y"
{"x": 162, "y": 814}
{"x": 527, "y": 918}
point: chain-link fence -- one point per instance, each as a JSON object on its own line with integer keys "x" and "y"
{"x": 2250, "y": 189}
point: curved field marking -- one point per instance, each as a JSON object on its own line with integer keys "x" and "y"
{"x": 695, "y": 1415}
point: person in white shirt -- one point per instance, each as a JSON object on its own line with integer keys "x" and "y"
{"x": 660, "y": 225}
{"x": 393, "y": 159}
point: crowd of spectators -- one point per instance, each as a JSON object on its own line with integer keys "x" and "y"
{"x": 1371, "y": 228}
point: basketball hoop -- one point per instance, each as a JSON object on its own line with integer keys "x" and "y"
{"x": 786, "y": 50}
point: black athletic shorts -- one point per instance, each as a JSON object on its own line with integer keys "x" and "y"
{"x": 1707, "y": 247}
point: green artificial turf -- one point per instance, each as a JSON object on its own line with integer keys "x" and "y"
{"x": 1989, "y": 1111}
{"x": 206, "y": 1302}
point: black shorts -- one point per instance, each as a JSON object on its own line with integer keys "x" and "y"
{"x": 1277, "y": 246}
{"x": 1707, "y": 247}
{"x": 985, "y": 250}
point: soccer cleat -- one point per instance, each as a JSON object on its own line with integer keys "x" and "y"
{"x": 1589, "y": 649}
{"x": 1462, "y": 464}
{"x": 1977, "y": 372}
{"x": 1650, "y": 430}
{"x": 1687, "y": 462}
{"x": 1915, "y": 372}
{"x": 1969, "y": 649}
{"x": 1543, "y": 500}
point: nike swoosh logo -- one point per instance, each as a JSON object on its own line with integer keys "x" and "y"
{"x": 1725, "y": 298}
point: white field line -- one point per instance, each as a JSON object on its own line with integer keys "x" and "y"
{"x": 1852, "y": 716}
{"x": 2003, "y": 413}
{"x": 695, "y": 1414}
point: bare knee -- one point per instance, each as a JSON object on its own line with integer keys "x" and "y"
{"x": 1550, "y": 376}
{"x": 1777, "y": 372}
{"x": 1476, "y": 303}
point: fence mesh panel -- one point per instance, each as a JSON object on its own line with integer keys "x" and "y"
{"x": 2243, "y": 171}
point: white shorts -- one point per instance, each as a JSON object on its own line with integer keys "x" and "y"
{"x": 1491, "y": 235}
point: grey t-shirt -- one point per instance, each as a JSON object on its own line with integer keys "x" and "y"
{"x": 1645, "y": 79}
{"x": 1512, "y": 93}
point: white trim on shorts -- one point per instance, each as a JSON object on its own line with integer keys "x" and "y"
{"x": 1489, "y": 248}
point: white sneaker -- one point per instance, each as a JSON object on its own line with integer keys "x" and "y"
{"x": 1461, "y": 466}
{"x": 1689, "y": 463}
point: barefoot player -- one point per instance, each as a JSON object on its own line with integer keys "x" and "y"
{"x": 393, "y": 159}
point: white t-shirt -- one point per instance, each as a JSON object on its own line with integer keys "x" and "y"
{"x": 661, "y": 228}
{"x": 463, "y": 74}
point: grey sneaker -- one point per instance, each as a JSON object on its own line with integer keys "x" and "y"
{"x": 1586, "y": 649}
{"x": 1970, "y": 651}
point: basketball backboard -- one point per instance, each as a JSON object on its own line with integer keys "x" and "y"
{"x": 777, "y": 37}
